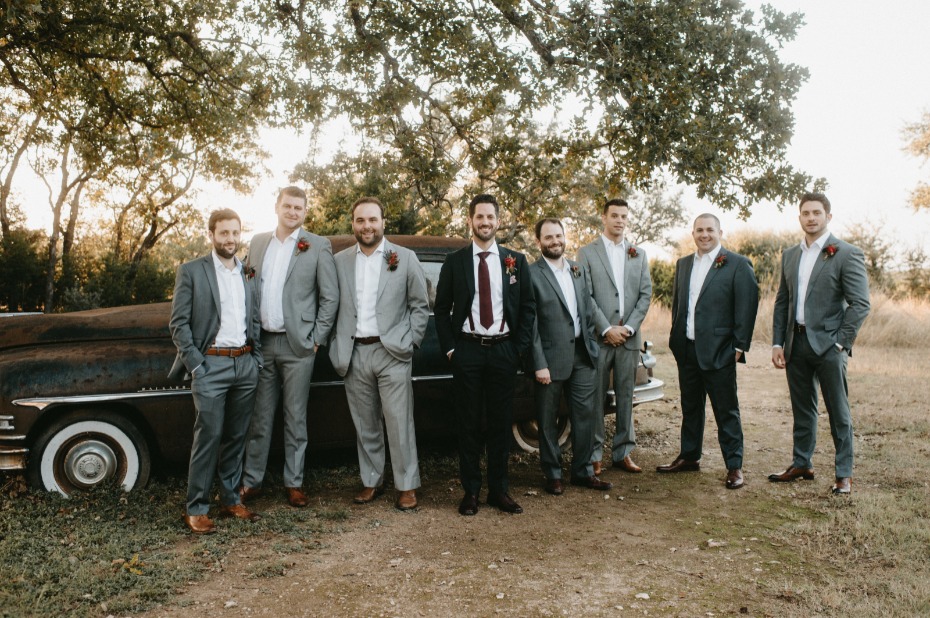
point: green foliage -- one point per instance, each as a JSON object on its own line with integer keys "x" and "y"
{"x": 764, "y": 248}
{"x": 662, "y": 273}
{"x": 878, "y": 250}
{"x": 915, "y": 280}
{"x": 22, "y": 270}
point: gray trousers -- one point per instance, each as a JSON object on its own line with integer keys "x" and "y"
{"x": 378, "y": 385}
{"x": 622, "y": 362}
{"x": 289, "y": 375}
{"x": 224, "y": 392}
{"x": 805, "y": 369}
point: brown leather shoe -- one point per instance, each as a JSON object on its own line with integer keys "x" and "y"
{"x": 296, "y": 497}
{"x": 239, "y": 512}
{"x": 842, "y": 486}
{"x": 735, "y": 479}
{"x": 597, "y": 467}
{"x": 247, "y": 494}
{"x": 591, "y": 482}
{"x": 680, "y": 465}
{"x": 406, "y": 500}
{"x": 626, "y": 464}
{"x": 505, "y": 503}
{"x": 469, "y": 505}
{"x": 554, "y": 487}
{"x": 791, "y": 474}
{"x": 368, "y": 494}
{"x": 200, "y": 524}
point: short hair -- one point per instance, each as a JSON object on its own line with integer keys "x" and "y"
{"x": 542, "y": 222}
{"x": 223, "y": 214}
{"x": 707, "y": 215}
{"x": 813, "y": 196}
{"x": 292, "y": 191}
{"x": 617, "y": 201}
{"x": 368, "y": 200}
{"x": 484, "y": 198}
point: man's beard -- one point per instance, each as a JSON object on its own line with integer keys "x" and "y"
{"x": 483, "y": 236}
{"x": 225, "y": 253}
{"x": 553, "y": 253}
{"x": 375, "y": 239}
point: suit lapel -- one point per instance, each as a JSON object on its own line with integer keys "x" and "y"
{"x": 468, "y": 264}
{"x": 601, "y": 252}
{"x": 256, "y": 256}
{"x": 210, "y": 272}
{"x": 290, "y": 265}
{"x": 819, "y": 264}
{"x": 549, "y": 276}
{"x": 712, "y": 272}
{"x": 350, "y": 276}
{"x": 684, "y": 286}
{"x": 385, "y": 274}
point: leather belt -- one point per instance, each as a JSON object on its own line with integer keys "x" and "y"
{"x": 233, "y": 352}
{"x": 800, "y": 328}
{"x": 367, "y": 340}
{"x": 486, "y": 340}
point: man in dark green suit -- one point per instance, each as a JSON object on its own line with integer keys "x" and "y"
{"x": 822, "y": 301}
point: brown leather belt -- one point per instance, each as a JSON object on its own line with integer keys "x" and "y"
{"x": 485, "y": 340}
{"x": 233, "y": 352}
{"x": 367, "y": 340}
{"x": 800, "y": 328}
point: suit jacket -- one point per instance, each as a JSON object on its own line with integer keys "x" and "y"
{"x": 311, "y": 294}
{"x": 724, "y": 315}
{"x": 195, "y": 315}
{"x": 402, "y": 308}
{"x": 455, "y": 293}
{"x": 837, "y": 300}
{"x": 554, "y": 329}
{"x": 637, "y": 290}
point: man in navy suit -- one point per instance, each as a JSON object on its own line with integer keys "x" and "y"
{"x": 714, "y": 306}
{"x": 484, "y": 318}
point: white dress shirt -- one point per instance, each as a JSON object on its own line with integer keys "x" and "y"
{"x": 563, "y": 276}
{"x": 367, "y": 276}
{"x": 809, "y": 257}
{"x": 499, "y": 326}
{"x": 699, "y": 269}
{"x": 232, "y": 333}
{"x": 616, "y": 253}
{"x": 274, "y": 272}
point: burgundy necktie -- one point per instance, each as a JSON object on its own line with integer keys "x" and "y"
{"x": 485, "y": 313}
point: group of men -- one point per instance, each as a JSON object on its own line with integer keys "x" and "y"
{"x": 247, "y": 335}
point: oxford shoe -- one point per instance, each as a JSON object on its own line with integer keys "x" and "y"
{"x": 842, "y": 486}
{"x": 199, "y": 524}
{"x": 296, "y": 497}
{"x": 735, "y": 479}
{"x": 406, "y": 500}
{"x": 598, "y": 468}
{"x": 792, "y": 474}
{"x": 680, "y": 465}
{"x": 554, "y": 487}
{"x": 505, "y": 503}
{"x": 469, "y": 505}
{"x": 368, "y": 494}
{"x": 239, "y": 512}
{"x": 247, "y": 494}
{"x": 626, "y": 464}
{"x": 591, "y": 482}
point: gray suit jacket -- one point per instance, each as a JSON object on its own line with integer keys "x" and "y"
{"x": 311, "y": 294}
{"x": 402, "y": 308}
{"x": 637, "y": 290}
{"x": 554, "y": 331}
{"x": 837, "y": 300}
{"x": 195, "y": 315}
{"x": 725, "y": 313}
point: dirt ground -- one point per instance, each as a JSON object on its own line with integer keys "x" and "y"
{"x": 677, "y": 545}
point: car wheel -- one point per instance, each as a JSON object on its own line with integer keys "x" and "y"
{"x": 526, "y": 434}
{"x": 86, "y": 449}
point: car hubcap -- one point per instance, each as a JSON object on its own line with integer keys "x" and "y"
{"x": 90, "y": 463}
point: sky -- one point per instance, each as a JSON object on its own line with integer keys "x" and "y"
{"x": 868, "y": 66}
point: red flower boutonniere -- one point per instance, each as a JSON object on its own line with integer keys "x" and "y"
{"x": 302, "y": 245}
{"x": 829, "y": 251}
{"x": 510, "y": 266}
{"x": 248, "y": 271}
{"x": 632, "y": 252}
{"x": 576, "y": 272}
{"x": 392, "y": 260}
{"x": 721, "y": 261}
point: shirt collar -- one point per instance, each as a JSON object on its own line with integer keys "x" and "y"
{"x": 293, "y": 236}
{"x": 217, "y": 264}
{"x": 563, "y": 265}
{"x": 475, "y": 249}
{"x": 819, "y": 243}
{"x": 712, "y": 255}
{"x": 609, "y": 243}
{"x": 378, "y": 249}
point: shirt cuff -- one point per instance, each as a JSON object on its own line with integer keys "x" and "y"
{"x": 775, "y": 345}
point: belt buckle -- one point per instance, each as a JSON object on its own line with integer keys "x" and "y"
{"x": 486, "y": 342}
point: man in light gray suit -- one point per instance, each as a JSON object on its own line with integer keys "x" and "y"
{"x": 822, "y": 301}
{"x": 565, "y": 355}
{"x": 622, "y": 293}
{"x": 384, "y": 309}
{"x": 299, "y": 299}
{"x": 214, "y": 325}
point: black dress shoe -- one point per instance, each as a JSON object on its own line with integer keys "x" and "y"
{"x": 554, "y": 487}
{"x": 469, "y": 505}
{"x": 791, "y": 474}
{"x": 680, "y": 465}
{"x": 735, "y": 479}
{"x": 591, "y": 482}
{"x": 842, "y": 486}
{"x": 505, "y": 503}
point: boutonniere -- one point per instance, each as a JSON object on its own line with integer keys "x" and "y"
{"x": 829, "y": 251}
{"x": 576, "y": 272}
{"x": 510, "y": 266}
{"x": 392, "y": 260}
{"x": 249, "y": 271}
{"x": 302, "y": 245}
{"x": 721, "y": 261}
{"x": 632, "y": 252}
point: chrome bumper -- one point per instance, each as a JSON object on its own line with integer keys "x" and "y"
{"x": 13, "y": 457}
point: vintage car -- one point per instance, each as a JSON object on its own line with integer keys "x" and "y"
{"x": 85, "y": 396}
